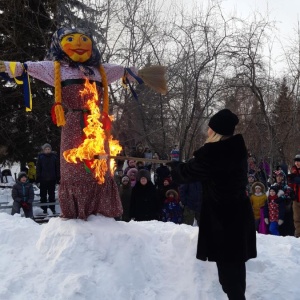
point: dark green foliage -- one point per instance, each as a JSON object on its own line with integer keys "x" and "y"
{"x": 26, "y": 27}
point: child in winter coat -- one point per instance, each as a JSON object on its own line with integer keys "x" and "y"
{"x": 167, "y": 185}
{"x": 23, "y": 195}
{"x": 287, "y": 228}
{"x": 274, "y": 209}
{"x": 31, "y": 172}
{"x": 172, "y": 211}
{"x": 258, "y": 200}
{"x": 125, "y": 195}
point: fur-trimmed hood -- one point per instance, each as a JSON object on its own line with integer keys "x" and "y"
{"x": 257, "y": 183}
{"x": 172, "y": 192}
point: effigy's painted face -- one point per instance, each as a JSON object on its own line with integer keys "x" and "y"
{"x": 77, "y": 46}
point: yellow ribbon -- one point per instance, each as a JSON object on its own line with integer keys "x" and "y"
{"x": 12, "y": 67}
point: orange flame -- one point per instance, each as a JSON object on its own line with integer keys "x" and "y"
{"x": 97, "y": 141}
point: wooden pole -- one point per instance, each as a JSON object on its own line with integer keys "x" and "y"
{"x": 117, "y": 157}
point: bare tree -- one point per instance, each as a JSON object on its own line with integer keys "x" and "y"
{"x": 198, "y": 47}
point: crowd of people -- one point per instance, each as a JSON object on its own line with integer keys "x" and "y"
{"x": 147, "y": 191}
{"x": 275, "y": 198}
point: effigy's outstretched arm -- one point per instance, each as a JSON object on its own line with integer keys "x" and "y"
{"x": 42, "y": 70}
{"x": 153, "y": 76}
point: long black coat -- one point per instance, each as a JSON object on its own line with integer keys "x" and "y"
{"x": 226, "y": 229}
{"x": 144, "y": 203}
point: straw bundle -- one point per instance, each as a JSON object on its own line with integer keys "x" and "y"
{"x": 154, "y": 77}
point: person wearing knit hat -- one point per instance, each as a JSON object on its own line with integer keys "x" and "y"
{"x": 21, "y": 175}
{"x": 274, "y": 209}
{"x": 227, "y": 232}
{"x": 297, "y": 157}
{"x": 294, "y": 183}
{"x": 46, "y": 146}
{"x": 47, "y": 175}
{"x": 23, "y": 195}
{"x": 273, "y": 188}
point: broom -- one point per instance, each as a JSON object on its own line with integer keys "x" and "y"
{"x": 154, "y": 77}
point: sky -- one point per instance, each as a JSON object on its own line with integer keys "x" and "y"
{"x": 106, "y": 259}
{"x": 285, "y": 13}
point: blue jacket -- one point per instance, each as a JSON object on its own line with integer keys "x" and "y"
{"x": 47, "y": 167}
{"x": 190, "y": 195}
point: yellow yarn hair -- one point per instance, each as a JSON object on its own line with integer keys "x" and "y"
{"x": 58, "y": 109}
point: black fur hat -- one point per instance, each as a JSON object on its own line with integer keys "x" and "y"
{"x": 143, "y": 173}
{"x": 224, "y": 122}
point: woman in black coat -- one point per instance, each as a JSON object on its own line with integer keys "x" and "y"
{"x": 226, "y": 230}
{"x": 144, "y": 203}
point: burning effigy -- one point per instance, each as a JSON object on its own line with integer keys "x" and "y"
{"x": 72, "y": 66}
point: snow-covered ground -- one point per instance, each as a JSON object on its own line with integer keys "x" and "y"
{"x": 109, "y": 260}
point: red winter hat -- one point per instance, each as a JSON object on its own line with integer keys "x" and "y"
{"x": 168, "y": 179}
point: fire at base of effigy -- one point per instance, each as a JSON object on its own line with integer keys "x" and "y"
{"x": 97, "y": 141}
